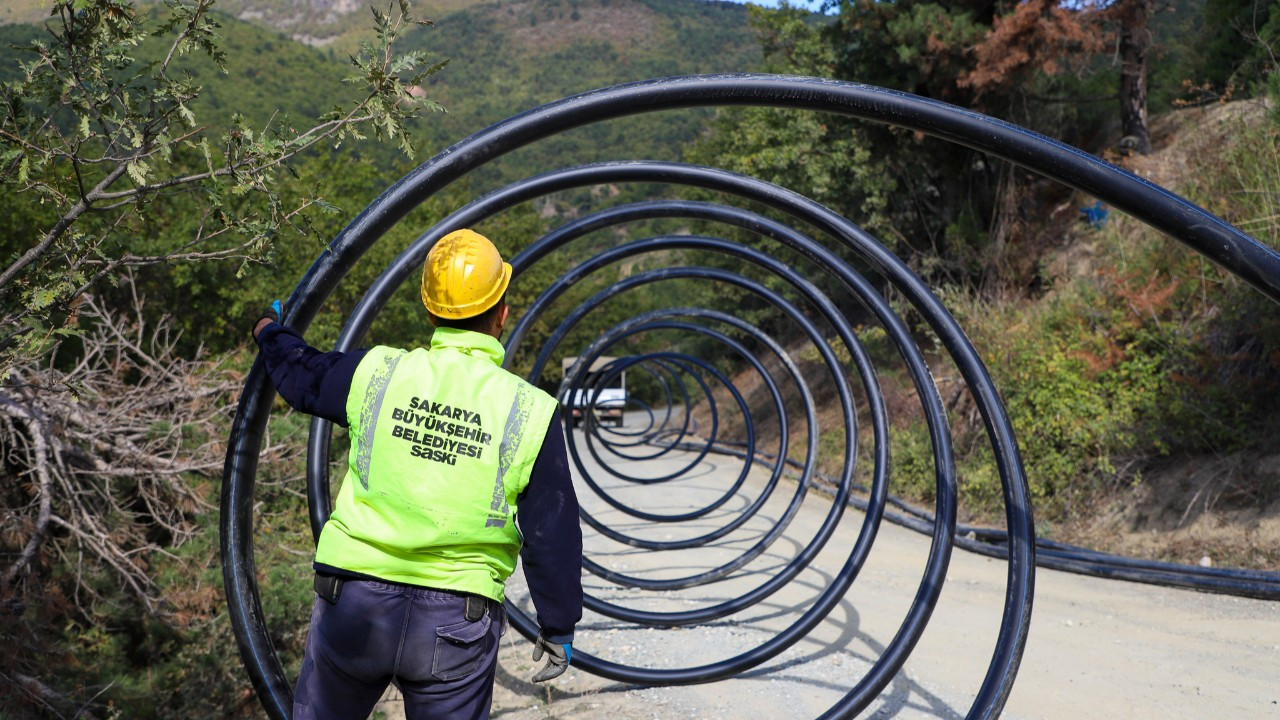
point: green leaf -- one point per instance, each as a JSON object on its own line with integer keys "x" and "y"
{"x": 208, "y": 154}
{"x": 137, "y": 170}
{"x": 430, "y": 71}
{"x": 44, "y": 297}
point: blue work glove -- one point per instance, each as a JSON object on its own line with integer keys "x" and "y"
{"x": 558, "y": 656}
{"x": 274, "y": 313}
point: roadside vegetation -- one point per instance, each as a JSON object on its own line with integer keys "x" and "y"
{"x": 1125, "y": 359}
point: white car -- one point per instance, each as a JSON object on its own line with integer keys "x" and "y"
{"x": 610, "y": 402}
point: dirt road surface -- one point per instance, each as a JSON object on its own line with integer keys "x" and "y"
{"x": 1097, "y": 649}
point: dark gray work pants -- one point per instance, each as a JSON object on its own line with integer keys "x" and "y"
{"x": 418, "y": 638}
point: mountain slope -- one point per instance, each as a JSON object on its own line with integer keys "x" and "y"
{"x": 507, "y": 57}
{"x": 504, "y": 58}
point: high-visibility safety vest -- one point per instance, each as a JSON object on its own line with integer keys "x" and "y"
{"x": 442, "y": 443}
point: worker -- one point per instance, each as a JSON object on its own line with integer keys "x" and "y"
{"x": 448, "y": 452}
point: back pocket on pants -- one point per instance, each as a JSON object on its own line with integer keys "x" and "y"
{"x": 460, "y": 648}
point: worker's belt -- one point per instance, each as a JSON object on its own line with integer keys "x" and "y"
{"x": 329, "y": 587}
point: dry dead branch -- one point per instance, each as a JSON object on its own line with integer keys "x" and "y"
{"x": 99, "y": 455}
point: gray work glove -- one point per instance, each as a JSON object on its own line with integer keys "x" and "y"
{"x": 558, "y": 656}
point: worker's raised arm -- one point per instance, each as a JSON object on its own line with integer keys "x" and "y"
{"x": 311, "y": 381}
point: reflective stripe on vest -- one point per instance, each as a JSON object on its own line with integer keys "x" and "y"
{"x": 375, "y": 392}
{"x": 511, "y": 436}
{"x": 431, "y": 491}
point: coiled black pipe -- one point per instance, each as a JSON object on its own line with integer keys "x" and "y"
{"x": 767, "y": 193}
{"x": 654, "y": 428}
{"x": 1185, "y": 222}
{"x": 1259, "y": 584}
{"x": 659, "y": 438}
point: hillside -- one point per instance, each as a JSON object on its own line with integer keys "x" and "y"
{"x": 1222, "y": 507}
{"x": 22, "y": 11}
{"x": 1183, "y": 490}
{"x": 504, "y": 57}
{"x": 322, "y": 23}
{"x": 298, "y": 82}
{"x": 511, "y": 56}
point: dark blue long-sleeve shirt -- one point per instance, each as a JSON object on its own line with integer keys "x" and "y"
{"x": 318, "y": 383}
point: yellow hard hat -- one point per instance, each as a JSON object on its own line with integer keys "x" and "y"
{"x": 464, "y": 275}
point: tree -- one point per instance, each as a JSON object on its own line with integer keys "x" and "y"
{"x": 1036, "y": 37}
{"x": 1234, "y": 50}
{"x": 1048, "y": 36}
{"x": 924, "y": 197}
{"x": 1132, "y": 18}
{"x": 99, "y": 128}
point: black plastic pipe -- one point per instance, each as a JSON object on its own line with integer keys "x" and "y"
{"x": 1189, "y": 224}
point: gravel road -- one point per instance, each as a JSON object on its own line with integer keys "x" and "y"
{"x": 1097, "y": 648}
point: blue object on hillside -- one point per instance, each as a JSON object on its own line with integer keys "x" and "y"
{"x": 1096, "y": 214}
